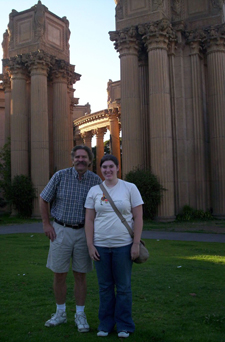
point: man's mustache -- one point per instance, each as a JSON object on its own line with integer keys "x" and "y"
{"x": 81, "y": 163}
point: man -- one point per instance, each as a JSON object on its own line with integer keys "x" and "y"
{"x": 67, "y": 191}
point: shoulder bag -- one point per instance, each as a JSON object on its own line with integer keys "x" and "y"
{"x": 144, "y": 254}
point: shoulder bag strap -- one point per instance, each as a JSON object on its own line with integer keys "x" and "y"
{"x": 123, "y": 220}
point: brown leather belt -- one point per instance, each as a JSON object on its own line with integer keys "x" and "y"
{"x": 73, "y": 226}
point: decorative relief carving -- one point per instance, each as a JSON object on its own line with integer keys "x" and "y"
{"x": 11, "y": 28}
{"x": 157, "y": 4}
{"x": 176, "y": 9}
{"x": 5, "y": 44}
{"x": 217, "y": 3}
{"x": 39, "y": 21}
{"x": 119, "y": 10}
{"x": 66, "y": 21}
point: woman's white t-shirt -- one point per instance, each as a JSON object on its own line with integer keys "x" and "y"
{"x": 109, "y": 231}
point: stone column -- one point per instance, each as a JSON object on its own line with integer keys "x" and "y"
{"x": 127, "y": 45}
{"x": 87, "y": 137}
{"x": 216, "y": 99}
{"x": 179, "y": 123}
{"x": 7, "y": 89}
{"x": 144, "y": 108}
{"x": 19, "y": 119}
{"x": 39, "y": 125}
{"x": 198, "y": 128}
{"x": 161, "y": 145}
{"x": 115, "y": 135}
{"x": 61, "y": 134}
{"x": 99, "y": 148}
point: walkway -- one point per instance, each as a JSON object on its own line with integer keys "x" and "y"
{"x": 154, "y": 235}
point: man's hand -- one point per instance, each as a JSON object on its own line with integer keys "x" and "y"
{"x": 49, "y": 231}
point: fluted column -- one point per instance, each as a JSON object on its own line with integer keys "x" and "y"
{"x": 216, "y": 99}
{"x": 179, "y": 122}
{"x": 7, "y": 89}
{"x": 144, "y": 108}
{"x": 61, "y": 127}
{"x": 39, "y": 125}
{"x": 115, "y": 135}
{"x": 127, "y": 45}
{"x": 19, "y": 120}
{"x": 99, "y": 148}
{"x": 87, "y": 138}
{"x": 161, "y": 145}
{"x": 199, "y": 195}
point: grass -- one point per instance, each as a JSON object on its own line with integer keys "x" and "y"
{"x": 6, "y": 219}
{"x": 178, "y": 294}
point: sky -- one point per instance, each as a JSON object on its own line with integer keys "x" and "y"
{"x": 91, "y": 50}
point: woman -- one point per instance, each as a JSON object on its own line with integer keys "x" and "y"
{"x": 112, "y": 248}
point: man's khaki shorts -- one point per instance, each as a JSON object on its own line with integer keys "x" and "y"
{"x": 70, "y": 244}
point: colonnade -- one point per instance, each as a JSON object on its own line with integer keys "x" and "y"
{"x": 97, "y": 124}
{"x": 172, "y": 83}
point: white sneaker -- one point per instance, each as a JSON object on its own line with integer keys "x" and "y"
{"x": 123, "y": 334}
{"x": 57, "y": 318}
{"x": 102, "y": 333}
{"x": 81, "y": 322}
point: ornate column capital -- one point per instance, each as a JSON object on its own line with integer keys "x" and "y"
{"x": 195, "y": 38}
{"x": 87, "y": 135}
{"x": 61, "y": 69}
{"x": 214, "y": 39}
{"x": 38, "y": 62}
{"x": 15, "y": 65}
{"x": 100, "y": 132}
{"x": 113, "y": 114}
{"x": 126, "y": 40}
{"x": 157, "y": 34}
{"x": 6, "y": 82}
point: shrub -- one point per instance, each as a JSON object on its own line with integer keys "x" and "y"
{"x": 150, "y": 189}
{"x": 188, "y": 213}
{"x": 23, "y": 194}
{"x": 5, "y": 173}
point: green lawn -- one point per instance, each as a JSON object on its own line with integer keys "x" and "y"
{"x": 178, "y": 295}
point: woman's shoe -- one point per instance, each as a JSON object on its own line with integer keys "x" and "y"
{"x": 123, "y": 334}
{"x": 102, "y": 333}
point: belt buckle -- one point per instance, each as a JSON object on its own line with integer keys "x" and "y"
{"x": 75, "y": 226}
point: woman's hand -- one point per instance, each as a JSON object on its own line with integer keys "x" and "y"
{"x": 135, "y": 250}
{"x": 93, "y": 253}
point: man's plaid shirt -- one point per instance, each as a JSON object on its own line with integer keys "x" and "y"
{"x": 67, "y": 194}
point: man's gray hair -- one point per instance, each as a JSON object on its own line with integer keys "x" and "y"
{"x": 85, "y": 148}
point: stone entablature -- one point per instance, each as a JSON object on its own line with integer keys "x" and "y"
{"x": 135, "y": 12}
